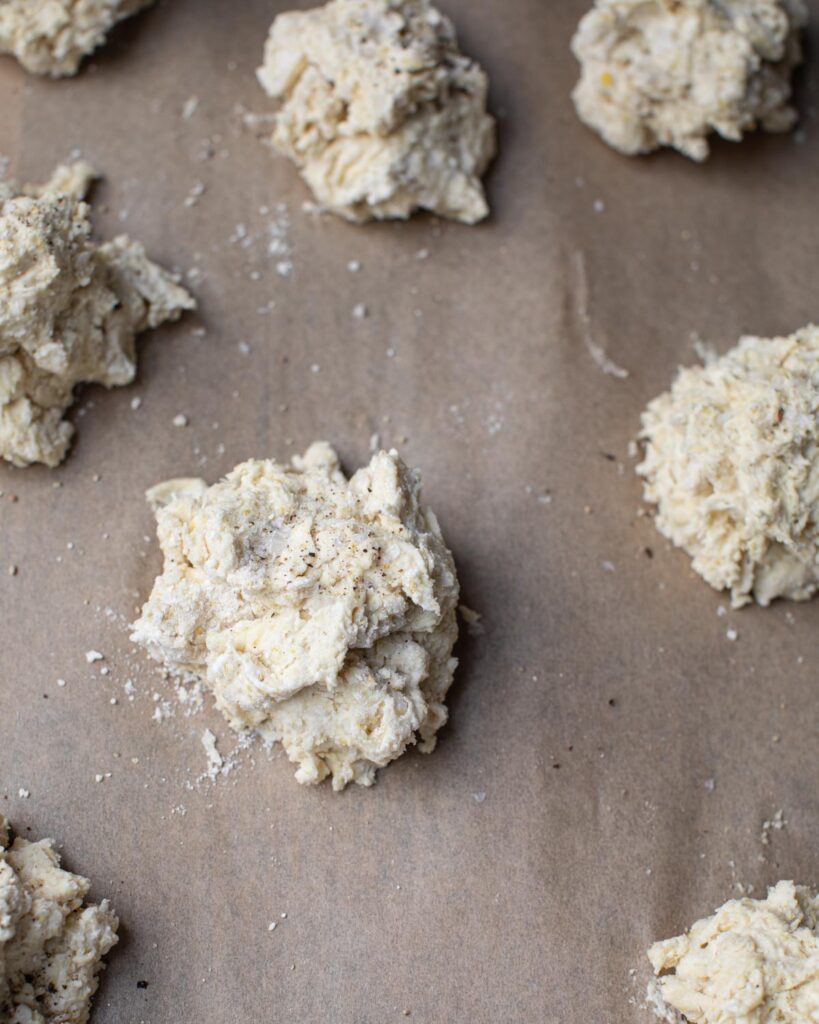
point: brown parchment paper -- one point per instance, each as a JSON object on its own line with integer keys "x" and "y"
{"x": 612, "y": 757}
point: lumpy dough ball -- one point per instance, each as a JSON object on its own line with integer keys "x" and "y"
{"x": 51, "y": 37}
{"x": 379, "y": 109}
{"x": 319, "y": 610}
{"x": 659, "y": 73}
{"x": 732, "y": 466}
{"x": 751, "y": 962}
{"x": 70, "y": 310}
{"x": 51, "y": 942}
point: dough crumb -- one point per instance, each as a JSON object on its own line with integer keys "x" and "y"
{"x": 320, "y": 611}
{"x": 51, "y": 37}
{"x": 379, "y": 109}
{"x": 70, "y": 310}
{"x": 752, "y": 961}
{"x": 774, "y": 824}
{"x": 668, "y": 74}
{"x": 474, "y": 625}
{"x": 215, "y": 759}
{"x": 189, "y": 107}
{"x": 731, "y": 459}
{"x": 51, "y": 944}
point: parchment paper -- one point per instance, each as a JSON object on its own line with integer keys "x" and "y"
{"x": 612, "y": 756}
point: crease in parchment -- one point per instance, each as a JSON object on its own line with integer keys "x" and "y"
{"x": 581, "y": 302}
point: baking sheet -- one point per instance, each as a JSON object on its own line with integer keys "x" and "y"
{"x": 612, "y": 756}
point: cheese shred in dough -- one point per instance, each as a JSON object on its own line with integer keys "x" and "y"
{"x": 669, "y": 72}
{"x": 51, "y": 944}
{"x": 379, "y": 109}
{"x": 732, "y": 465}
{"x": 51, "y": 37}
{"x": 69, "y": 311}
{"x": 320, "y": 611}
{"x": 751, "y": 962}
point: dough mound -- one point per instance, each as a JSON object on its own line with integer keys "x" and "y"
{"x": 380, "y": 110}
{"x": 319, "y": 610}
{"x": 51, "y": 37}
{"x": 656, "y": 73}
{"x": 69, "y": 311}
{"x": 51, "y": 946}
{"x": 752, "y": 962}
{"x": 732, "y": 464}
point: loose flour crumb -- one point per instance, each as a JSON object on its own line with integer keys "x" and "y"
{"x": 215, "y": 759}
{"x": 472, "y": 619}
{"x": 775, "y": 824}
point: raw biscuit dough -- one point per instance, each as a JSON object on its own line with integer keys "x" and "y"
{"x": 380, "y": 110}
{"x": 319, "y": 610}
{"x": 732, "y": 465}
{"x": 69, "y": 311}
{"x": 668, "y": 72}
{"x": 51, "y": 37}
{"x": 751, "y": 962}
{"x": 51, "y": 945}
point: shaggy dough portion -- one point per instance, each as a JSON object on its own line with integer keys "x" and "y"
{"x": 51, "y": 946}
{"x": 51, "y": 37}
{"x": 752, "y": 962}
{"x": 732, "y": 464}
{"x": 380, "y": 110}
{"x": 69, "y": 311}
{"x": 668, "y": 72}
{"x": 319, "y": 610}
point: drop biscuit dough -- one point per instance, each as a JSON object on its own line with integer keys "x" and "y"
{"x": 669, "y": 72}
{"x": 70, "y": 310}
{"x": 379, "y": 109}
{"x": 751, "y": 962}
{"x": 51, "y": 942}
{"x": 51, "y": 37}
{"x": 319, "y": 610}
{"x": 732, "y": 467}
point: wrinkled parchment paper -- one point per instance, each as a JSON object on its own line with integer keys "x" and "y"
{"x": 612, "y": 756}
